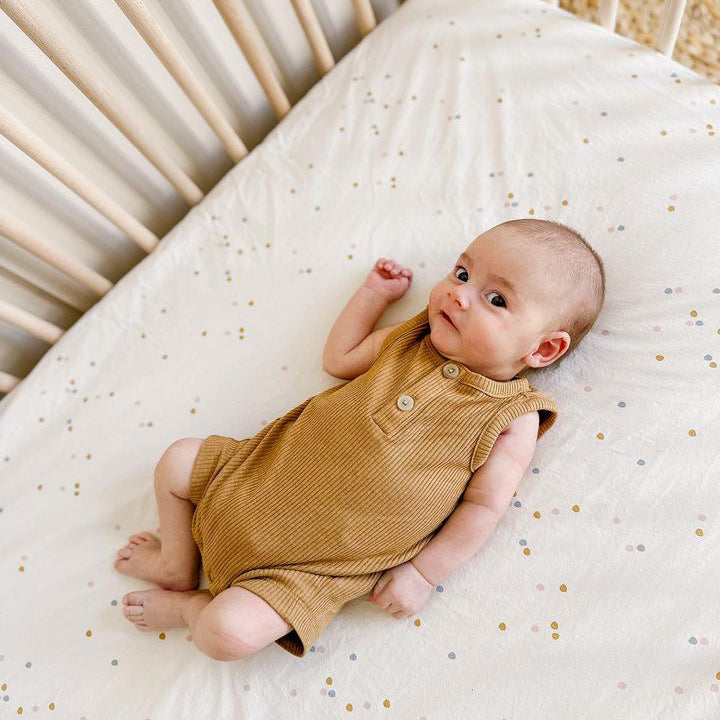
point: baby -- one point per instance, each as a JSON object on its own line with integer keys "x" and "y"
{"x": 386, "y": 483}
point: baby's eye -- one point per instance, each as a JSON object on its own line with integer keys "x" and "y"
{"x": 460, "y": 267}
{"x": 500, "y": 296}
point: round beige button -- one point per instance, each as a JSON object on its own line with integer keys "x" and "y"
{"x": 450, "y": 370}
{"x": 405, "y": 402}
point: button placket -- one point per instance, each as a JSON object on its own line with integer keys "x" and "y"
{"x": 406, "y": 406}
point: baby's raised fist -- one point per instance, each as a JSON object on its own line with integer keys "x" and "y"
{"x": 389, "y": 279}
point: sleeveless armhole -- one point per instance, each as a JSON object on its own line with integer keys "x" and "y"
{"x": 404, "y": 327}
{"x": 522, "y": 403}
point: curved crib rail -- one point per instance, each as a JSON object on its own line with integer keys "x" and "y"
{"x": 236, "y": 19}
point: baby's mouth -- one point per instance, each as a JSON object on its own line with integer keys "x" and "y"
{"x": 448, "y": 320}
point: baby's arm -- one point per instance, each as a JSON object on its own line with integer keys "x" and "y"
{"x": 485, "y": 500}
{"x": 350, "y": 348}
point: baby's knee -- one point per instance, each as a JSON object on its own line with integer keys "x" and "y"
{"x": 216, "y": 634}
{"x": 176, "y": 463}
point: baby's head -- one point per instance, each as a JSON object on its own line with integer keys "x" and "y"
{"x": 522, "y": 295}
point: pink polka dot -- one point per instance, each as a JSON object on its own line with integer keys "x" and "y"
{"x": 629, "y": 548}
{"x": 621, "y": 685}
{"x": 679, "y": 690}
{"x": 587, "y": 388}
{"x": 540, "y": 586}
{"x": 599, "y": 208}
{"x": 703, "y": 641}
{"x": 604, "y": 332}
{"x": 678, "y": 289}
{"x": 555, "y": 511}
{"x": 656, "y": 328}
{"x": 535, "y": 628}
{"x": 701, "y": 517}
{"x": 293, "y": 693}
{"x": 616, "y": 520}
{"x": 366, "y": 705}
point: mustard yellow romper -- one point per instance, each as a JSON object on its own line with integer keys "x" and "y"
{"x": 312, "y": 509}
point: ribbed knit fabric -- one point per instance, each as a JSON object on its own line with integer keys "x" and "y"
{"x": 312, "y": 509}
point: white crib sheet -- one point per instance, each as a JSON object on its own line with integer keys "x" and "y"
{"x": 597, "y": 595}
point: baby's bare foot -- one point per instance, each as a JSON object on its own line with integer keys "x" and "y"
{"x": 156, "y": 609}
{"x": 142, "y": 559}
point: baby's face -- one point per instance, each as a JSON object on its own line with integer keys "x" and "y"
{"x": 498, "y": 296}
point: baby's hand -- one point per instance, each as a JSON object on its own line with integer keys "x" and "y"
{"x": 401, "y": 590}
{"x": 389, "y": 279}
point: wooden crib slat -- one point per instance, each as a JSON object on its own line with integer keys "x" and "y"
{"x": 68, "y": 63}
{"x": 8, "y": 382}
{"x": 24, "y": 320}
{"x": 607, "y": 13}
{"x": 233, "y": 15}
{"x": 670, "y": 26}
{"x": 15, "y": 230}
{"x": 165, "y": 51}
{"x": 31, "y": 144}
{"x": 314, "y": 33}
{"x": 364, "y": 16}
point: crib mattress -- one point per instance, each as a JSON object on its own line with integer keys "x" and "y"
{"x": 597, "y": 594}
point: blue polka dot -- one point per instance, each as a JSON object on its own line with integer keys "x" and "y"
{"x": 621, "y": 159}
{"x": 514, "y": 204}
{"x": 28, "y": 664}
{"x": 440, "y": 588}
{"x": 621, "y": 404}
{"x": 6, "y": 698}
{"x": 353, "y": 656}
{"x": 535, "y": 471}
{"x": 492, "y": 174}
{"x": 640, "y": 462}
{"x": 707, "y": 357}
{"x": 621, "y": 228}
{"x": 114, "y": 662}
{"x": 331, "y": 693}
{"x": 693, "y": 640}
{"x": 715, "y": 290}
{"x": 523, "y": 542}
{"x": 641, "y": 548}
{"x": 113, "y": 602}
{"x": 451, "y": 655}
{"x": 699, "y": 322}
{"x": 603, "y": 113}
{"x": 668, "y": 291}
{"x": 517, "y": 503}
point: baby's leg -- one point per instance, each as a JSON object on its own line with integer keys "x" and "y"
{"x": 173, "y": 563}
{"x": 234, "y": 624}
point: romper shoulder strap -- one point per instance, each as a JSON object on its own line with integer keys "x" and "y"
{"x": 404, "y": 327}
{"x": 527, "y": 401}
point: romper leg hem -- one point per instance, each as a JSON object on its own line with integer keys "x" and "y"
{"x": 305, "y": 626}
{"x": 206, "y": 461}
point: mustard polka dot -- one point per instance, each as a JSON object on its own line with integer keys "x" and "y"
{"x": 564, "y": 202}
{"x": 555, "y": 636}
{"x": 328, "y": 681}
{"x": 575, "y": 508}
{"x": 692, "y": 433}
{"x": 502, "y": 626}
{"x": 554, "y": 625}
{"x": 386, "y": 703}
{"x": 348, "y": 707}
{"x": 671, "y": 208}
{"x": 51, "y": 706}
{"x": 699, "y": 532}
{"x": 88, "y": 633}
{"x": 600, "y": 436}
{"x": 536, "y": 514}
{"x": 162, "y": 636}
{"x": 526, "y": 551}
{"x": 563, "y": 588}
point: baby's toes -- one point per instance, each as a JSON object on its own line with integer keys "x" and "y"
{"x": 125, "y": 552}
